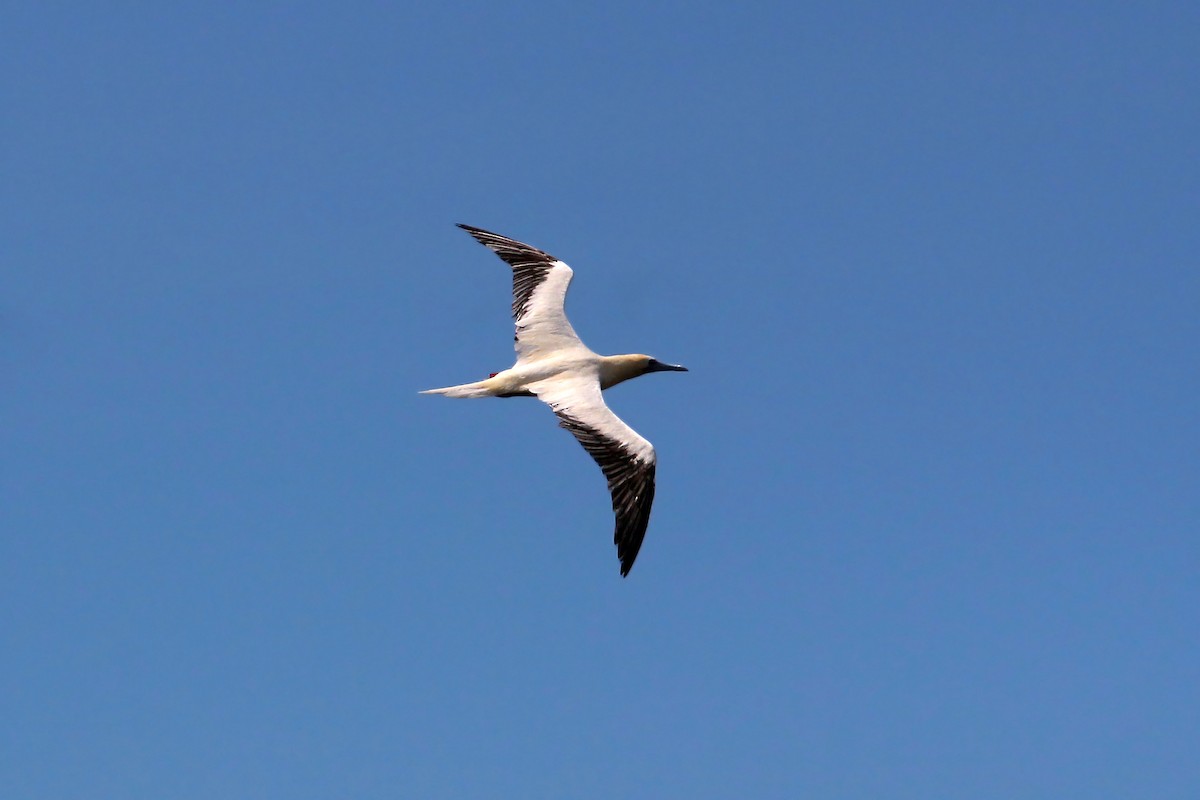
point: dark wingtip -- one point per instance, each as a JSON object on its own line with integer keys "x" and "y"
{"x": 479, "y": 234}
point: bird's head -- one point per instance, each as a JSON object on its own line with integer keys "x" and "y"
{"x": 651, "y": 364}
{"x": 618, "y": 369}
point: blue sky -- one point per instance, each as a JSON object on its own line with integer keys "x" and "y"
{"x": 928, "y": 498}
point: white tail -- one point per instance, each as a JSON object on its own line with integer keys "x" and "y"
{"x": 477, "y": 389}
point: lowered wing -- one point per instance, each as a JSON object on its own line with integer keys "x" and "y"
{"x": 627, "y": 460}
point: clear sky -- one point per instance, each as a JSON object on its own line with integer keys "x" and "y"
{"x": 928, "y": 499}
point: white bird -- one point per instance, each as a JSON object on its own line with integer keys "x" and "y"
{"x": 559, "y": 369}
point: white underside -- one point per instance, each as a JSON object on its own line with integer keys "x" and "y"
{"x": 556, "y": 366}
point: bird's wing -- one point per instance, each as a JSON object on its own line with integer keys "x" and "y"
{"x": 540, "y": 284}
{"x": 627, "y": 459}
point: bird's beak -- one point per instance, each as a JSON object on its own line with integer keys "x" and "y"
{"x": 658, "y": 366}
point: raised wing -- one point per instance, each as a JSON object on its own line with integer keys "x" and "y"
{"x": 540, "y": 283}
{"x": 627, "y": 460}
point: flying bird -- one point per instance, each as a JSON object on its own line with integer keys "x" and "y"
{"x": 556, "y": 367}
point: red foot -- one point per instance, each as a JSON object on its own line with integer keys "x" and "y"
{"x": 493, "y": 374}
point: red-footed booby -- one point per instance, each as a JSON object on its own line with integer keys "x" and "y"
{"x": 555, "y": 366}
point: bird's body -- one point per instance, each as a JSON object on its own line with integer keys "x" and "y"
{"x": 555, "y": 366}
{"x": 517, "y": 380}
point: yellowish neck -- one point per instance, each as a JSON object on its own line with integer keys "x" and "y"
{"x": 617, "y": 369}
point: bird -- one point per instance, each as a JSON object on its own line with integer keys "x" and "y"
{"x": 555, "y": 366}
